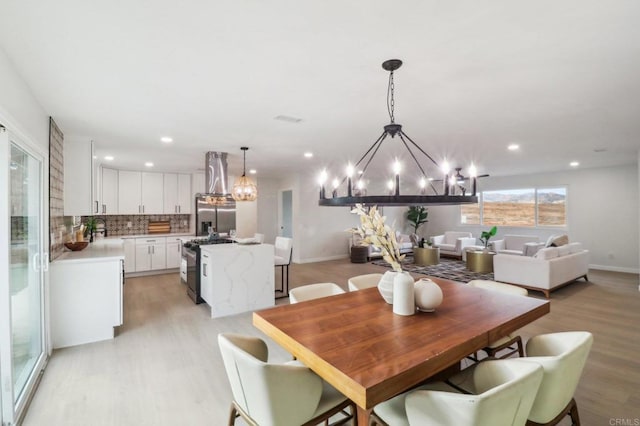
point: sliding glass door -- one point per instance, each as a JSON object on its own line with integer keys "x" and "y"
{"x": 22, "y": 322}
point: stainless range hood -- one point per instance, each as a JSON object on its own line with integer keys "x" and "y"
{"x": 216, "y": 178}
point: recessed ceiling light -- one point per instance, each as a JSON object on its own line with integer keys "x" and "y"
{"x": 513, "y": 147}
{"x": 108, "y": 157}
{"x": 148, "y": 164}
{"x": 253, "y": 171}
{"x": 166, "y": 139}
{"x": 308, "y": 154}
{"x": 95, "y": 157}
{"x": 574, "y": 164}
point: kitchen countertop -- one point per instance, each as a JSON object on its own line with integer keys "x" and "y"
{"x": 173, "y": 234}
{"x": 101, "y": 250}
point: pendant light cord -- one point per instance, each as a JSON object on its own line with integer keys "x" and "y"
{"x": 390, "y": 100}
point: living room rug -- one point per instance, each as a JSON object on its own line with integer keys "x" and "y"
{"x": 450, "y": 269}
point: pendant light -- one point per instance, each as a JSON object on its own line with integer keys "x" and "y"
{"x": 456, "y": 189}
{"x": 244, "y": 189}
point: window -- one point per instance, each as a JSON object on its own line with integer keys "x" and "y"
{"x": 518, "y": 207}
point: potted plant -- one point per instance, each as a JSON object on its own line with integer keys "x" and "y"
{"x": 486, "y": 235}
{"x": 417, "y": 215}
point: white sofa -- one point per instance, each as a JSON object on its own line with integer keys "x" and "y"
{"x": 549, "y": 269}
{"x": 453, "y": 243}
{"x": 404, "y": 243}
{"x": 521, "y": 245}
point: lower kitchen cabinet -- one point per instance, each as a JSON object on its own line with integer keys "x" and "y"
{"x": 86, "y": 300}
{"x": 129, "y": 255}
{"x": 151, "y": 254}
{"x": 174, "y": 252}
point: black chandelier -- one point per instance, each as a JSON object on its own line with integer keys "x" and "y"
{"x": 454, "y": 188}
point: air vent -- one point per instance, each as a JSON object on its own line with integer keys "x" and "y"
{"x": 288, "y": 119}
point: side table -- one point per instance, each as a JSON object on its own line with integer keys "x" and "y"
{"x": 480, "y": 261}
{"x": 359, "y": 254}
{"x": 426, "y": 256}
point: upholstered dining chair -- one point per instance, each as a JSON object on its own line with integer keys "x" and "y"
{"x": 512, "y": 342}
{"x": 283, "y": 251}
{"x": 562, "y": 356}
{"x": 360, "y": 282}
{"x": 502, "y": 394}
{"x": 314, "y": 291}
{"x": 267, "y": 394}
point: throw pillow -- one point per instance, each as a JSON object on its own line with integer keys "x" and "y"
{"x": 546, "y": 253}
{"x": 560, "y": 240}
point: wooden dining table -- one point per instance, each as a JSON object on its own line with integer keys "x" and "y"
{"x": 355, "y": 342}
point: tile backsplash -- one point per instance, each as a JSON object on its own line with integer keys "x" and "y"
{"x": 119, "y": 224}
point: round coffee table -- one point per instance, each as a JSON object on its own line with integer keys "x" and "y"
{"x": 480, "y": 261}
{"x": 426, "y": 256}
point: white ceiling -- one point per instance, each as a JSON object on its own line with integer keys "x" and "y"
{"x": 560, "y": 78}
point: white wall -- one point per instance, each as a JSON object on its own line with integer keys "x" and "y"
{"x": 602, "y": 213}
{"x": 267, "y": 220}
{"x": 19, "y": 110}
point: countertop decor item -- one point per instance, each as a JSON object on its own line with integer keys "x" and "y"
{"x": 77, "y": 246}
{"x": 456, "y": 189}
{"x": 428, "y": 295}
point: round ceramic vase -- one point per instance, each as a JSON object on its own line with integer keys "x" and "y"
{"x": 385, "y": 286}
{"x": 428, "y": 295}
{"x": 404, "y": 302}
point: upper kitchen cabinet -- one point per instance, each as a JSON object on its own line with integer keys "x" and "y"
{"x": 109, "y": 193}
{"x": 140, "y": 192}
{"x": 80, "y": 195}
{"x": 177, "y": 193}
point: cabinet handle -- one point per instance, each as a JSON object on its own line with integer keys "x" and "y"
{"x": 45, "y": 261}
{"x": 153, "y": 249}
{"x": 143, "y": 208}
{"x": 96, "y": 207}
{"x": 104, "y": 209}
{"x": 204, "y": 269}
{"x": 179, "y": 209}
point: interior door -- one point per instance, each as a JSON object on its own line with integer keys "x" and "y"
{"x": 287, "y": 214}
{"x": 22, "y": 319}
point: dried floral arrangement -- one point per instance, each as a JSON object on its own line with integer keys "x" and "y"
{"x": 373, "y": 231}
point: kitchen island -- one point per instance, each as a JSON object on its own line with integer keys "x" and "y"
{"x": 86, "y": 293}
{"x": 237, "y": 278}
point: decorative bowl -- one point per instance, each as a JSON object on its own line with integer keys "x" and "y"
{"x": 76, "y": 246}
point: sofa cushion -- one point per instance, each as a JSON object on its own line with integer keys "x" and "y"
{"x": 450, "y": 237}
{"x": 514, "y": 252}
{"x": 447, "y": 247}
{"x": 564, "y": 250}
{"x": 575, "y": 247}
{"x": 546, "y": 253}
{"x": 557, "y": 240}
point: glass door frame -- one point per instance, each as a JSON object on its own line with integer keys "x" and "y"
{"x": 11, "y": 412}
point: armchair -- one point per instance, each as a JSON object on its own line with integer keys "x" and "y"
{"x": 520, "y": 245}
{"x": 453, "y": 243}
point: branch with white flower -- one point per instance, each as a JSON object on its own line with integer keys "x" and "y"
{"x": 373, "y": 231}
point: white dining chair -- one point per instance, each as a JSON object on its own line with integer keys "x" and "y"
{"x": 314, "y": 291}
{"x": 360, "y": 282}
{"x": 282, "y": 259}
{"x": 511, "y": 342}
{"x": 562, "y": 356}
{"x": 502, "y": 394}
{"x": 264, "y": 393}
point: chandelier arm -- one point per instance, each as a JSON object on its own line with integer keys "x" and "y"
{"x": 379, "y": 144}
{"x": 420, "y": 149}
{"x": 412, "y": 155}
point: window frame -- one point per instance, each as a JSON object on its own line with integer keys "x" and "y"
{"x": 536, "y": 225}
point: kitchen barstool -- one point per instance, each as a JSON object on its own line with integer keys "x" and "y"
{"x": 283, "y": 251}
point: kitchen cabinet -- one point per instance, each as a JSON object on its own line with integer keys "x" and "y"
{"x": 174, "y": 252}
{"x": 140, "y": 192}
{"x": 80, "y": 197}
{"x": 151, "y": 254}
{"x": 129, "y": 255}
{"x": 86, "y": 300}
{"x": 177, "y": 193}
{"x": 109, "y": 193}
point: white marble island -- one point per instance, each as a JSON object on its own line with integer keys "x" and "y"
{"x": 237, "y": 278}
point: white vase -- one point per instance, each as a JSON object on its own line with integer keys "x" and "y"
{"x": 404, "y": 302}
{"x": 428, "y": 295}
{"x": 385, "y": 286}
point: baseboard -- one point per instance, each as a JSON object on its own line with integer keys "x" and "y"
{"x": 322, "y": 259}
{"x": 615, "y": 269}
{"x": 154, "y": 272}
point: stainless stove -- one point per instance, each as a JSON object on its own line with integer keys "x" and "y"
{"x": 191, "y": 257}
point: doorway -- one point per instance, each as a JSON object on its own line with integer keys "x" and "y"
{"x": 23, "y": 262}
{"x": 286, "y": 227}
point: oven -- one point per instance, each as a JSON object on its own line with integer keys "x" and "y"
{"x": 190, "y": 271}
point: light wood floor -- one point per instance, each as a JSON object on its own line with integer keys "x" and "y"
{"x": 164, "y": 367}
